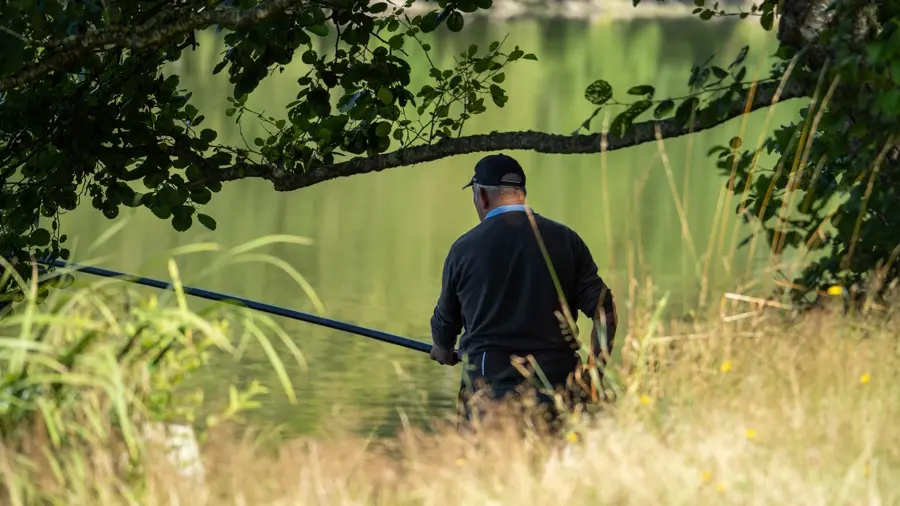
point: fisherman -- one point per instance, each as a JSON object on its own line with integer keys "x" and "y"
{"x": 497, "y": 284}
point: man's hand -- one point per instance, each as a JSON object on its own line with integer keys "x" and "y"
{"x": 443, "y": 356}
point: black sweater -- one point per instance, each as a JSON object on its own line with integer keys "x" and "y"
{"x": 497, "y": 285}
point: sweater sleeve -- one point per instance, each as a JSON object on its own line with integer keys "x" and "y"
{"x": 446, "y": 322}
{"x": 592, "y": 290}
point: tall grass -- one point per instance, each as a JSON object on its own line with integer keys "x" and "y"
{"x": 763, "y": 410}
{"x": 95, "y": 375}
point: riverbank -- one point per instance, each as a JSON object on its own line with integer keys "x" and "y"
{"x": 765, "y": 409}
{"x": 591, "y": 10}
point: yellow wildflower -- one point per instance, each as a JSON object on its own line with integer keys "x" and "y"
{"x": 706, "y": 476}
{"x": 645, "y": 399}
{"x": 750, "y": 433}
{"x": 573, "y": 437}
{"x": 726, "y": 366}
{"x": 865, "y": 378}
{"x": 460, "y": 461}
{"x": 221, "y": 325}
{"x": 720, "y": 487}
{"x": 835, "y": 290}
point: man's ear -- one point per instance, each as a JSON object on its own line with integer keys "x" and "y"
{"x": 483, "y": 196}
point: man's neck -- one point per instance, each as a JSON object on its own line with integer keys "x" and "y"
{"x": 502, "y": 207}
{"x": 507, "y": 202}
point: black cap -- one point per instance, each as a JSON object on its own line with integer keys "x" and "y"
{"x": 498, "y": 170}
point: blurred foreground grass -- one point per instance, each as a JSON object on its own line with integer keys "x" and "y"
{"x": 766, "y": 409}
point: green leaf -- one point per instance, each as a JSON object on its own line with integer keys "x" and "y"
{"x": 383, "y": 129}
{"x": 740, "y": 57}
{"x": 706, "y": 15}
{"x": 201, "y": 196}
{"x": 429, "y": 22}
{"x": 208, "y": 135}
{"x": 193, "y": 173}
{"x": 396, "y": 42}
{"x": 160, "y": 211}
{"x": 641, "y": 90}
{"x": 455, "y": 21}
{"x": 309, "y": 57}
{"x": 320, "y": 29}
{"x": 767, "y": 19}
{"x": 664, "y": 108}
{"x": 637, "y": 108}
{"x": 40, "y": 237}
{"x": 181, "y": 222}
{"x": 719, "y": 72}
{"x": 499, "y": 78}
{"x": 530, "y": 56}
{"x": 379, "y": 7}
{"x": 385, "y": 95}
{"x": 206, "y": 220}
{"x": 515, "y": 54}
{"x": 482, "y": 65}
{"x": 598, "y": 92}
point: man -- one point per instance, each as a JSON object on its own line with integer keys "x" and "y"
{"x": 497, "y": 284}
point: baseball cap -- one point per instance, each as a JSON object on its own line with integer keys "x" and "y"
{"x": 498, "y": 170}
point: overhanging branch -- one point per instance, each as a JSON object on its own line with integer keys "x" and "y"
{"x": 146, "y": 35}
{"x": 765, "y": 95}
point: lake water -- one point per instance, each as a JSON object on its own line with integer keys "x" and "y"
{"x": 380, "y": 239}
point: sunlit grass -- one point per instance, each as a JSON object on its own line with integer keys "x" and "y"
{"x": 765, "y": 410}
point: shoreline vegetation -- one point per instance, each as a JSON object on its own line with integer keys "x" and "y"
{"x": 773, "y": 407}
{"x": 589, "y": 10}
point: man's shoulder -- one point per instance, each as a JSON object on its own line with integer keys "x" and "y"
{"x": 470, "y": 236}
{"x": 545, "y": 222}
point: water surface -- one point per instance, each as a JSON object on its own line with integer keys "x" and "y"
{"x": 380, "y": 239}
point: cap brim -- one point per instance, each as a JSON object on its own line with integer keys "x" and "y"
{"x": 470, "y": 183}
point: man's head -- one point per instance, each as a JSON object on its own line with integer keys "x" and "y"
{"x": 498, "y": 180}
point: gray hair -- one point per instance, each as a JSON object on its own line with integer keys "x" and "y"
{"x": 498, "y": 191}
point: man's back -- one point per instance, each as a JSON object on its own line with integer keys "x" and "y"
{"x": 498, "y": 286}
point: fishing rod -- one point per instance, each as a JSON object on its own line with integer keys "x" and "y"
{"x": 252, "y": 304}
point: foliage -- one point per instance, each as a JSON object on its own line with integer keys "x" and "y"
{"x": 835, "y": 182}
{"x": 106, "y": 123}
{"x": 86, "y": 111}
{"x": 82, "y": 375}
{"x": 834, "y": 187}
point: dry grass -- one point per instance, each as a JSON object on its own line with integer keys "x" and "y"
{"x": 799, "y": 412}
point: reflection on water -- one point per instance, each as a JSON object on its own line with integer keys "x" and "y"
{"x": 380, "y": 239}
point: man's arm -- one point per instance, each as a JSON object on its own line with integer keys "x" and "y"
{"x": 603, "y": 335}
{"x": 596, "y": 301}
{"x": 446, "y": 322}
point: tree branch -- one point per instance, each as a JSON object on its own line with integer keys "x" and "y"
{"x": 766, "y": 95}
{"x": 145, "y": 35}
